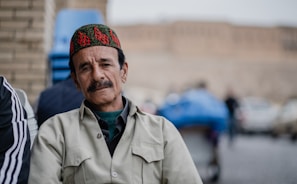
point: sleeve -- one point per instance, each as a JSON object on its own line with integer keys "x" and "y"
{"x": 31, "y": 121}
{"x": 178, "y": 165}
{"x": 46, "y": 155}
{"x": 14, "y": 136}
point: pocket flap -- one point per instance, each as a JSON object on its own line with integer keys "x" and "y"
{"x": 149, "y": 152}
{"x": 75, "y": 156}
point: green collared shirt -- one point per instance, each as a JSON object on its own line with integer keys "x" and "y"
{"x": 120, "y": 123}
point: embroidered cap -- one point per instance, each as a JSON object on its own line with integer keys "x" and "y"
{"x": 93, "y": 35}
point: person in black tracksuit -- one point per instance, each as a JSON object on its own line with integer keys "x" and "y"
{"x": 14, "y": 137}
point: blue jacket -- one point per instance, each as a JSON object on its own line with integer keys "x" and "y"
{"x": 59, "y": 98}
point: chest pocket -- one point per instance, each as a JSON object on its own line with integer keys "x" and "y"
{"x": 74, "y": 169}
{"x": 147, "y": 162}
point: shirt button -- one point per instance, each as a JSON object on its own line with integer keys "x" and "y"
{"x": 77, "y": 162}
{"x": 114, "y": 174}
{"x": 99, "y": 135}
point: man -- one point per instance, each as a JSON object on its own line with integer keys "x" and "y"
{"x": 108, "y": 139}
{"x": 232, "y": 105}
{"x": 14, "y": 137}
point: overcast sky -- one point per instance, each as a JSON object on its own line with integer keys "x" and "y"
{"x": 251, "y": 12}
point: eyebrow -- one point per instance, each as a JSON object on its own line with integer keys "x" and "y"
{"x": 105, "y": 59}
{"x": 83, "y": 64}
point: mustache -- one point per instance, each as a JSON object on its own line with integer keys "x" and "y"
{"x": 95, "y": 85}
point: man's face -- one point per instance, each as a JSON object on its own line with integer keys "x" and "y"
{"x": 99, "y": 77}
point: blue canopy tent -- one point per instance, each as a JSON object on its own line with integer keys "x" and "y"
{"x": 196, "y": 107}
{"x": 67, "y": 21}
{"x": 201, "y": 118}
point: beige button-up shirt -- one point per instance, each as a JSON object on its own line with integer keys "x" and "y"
{"x": 70, "y": 148}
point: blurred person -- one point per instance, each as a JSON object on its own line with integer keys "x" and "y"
{"x": 202, "y": 85}
{"x": 232, "y": 104}
{"x": 14, "y": 136}
{"x": 108, "y": 139}
{"x": 59, "y": 98}
{"x": 214, "y": 134}
{"x": 198, "y": 112}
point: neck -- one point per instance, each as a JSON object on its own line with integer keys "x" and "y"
{"x": 107, "y": 107}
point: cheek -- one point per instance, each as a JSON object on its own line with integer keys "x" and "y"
{"x": 83, "y": 84}
{"x": 83, "y": 87}
{"x": 120, "y": 80}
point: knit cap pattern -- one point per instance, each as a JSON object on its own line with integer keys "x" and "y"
{"x": 93, "y": 35}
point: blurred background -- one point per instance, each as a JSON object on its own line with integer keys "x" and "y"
{"x": 246, "y": 45}
{"x": 249, "y": 46}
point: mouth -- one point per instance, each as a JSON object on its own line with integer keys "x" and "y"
{"x": 100, "y": 88}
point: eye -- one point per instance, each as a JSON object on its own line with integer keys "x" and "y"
{"x": 84, "y": 67}
{"x": 105, "y": 64}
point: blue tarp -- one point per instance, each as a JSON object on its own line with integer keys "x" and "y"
{"x": 67, "y": 21}
{"x": 196, "y": 107}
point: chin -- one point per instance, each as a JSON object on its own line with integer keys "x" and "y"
{"x": 102, "y": 99}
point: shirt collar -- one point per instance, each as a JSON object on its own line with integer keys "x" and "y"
{"x": 85, "y": 109}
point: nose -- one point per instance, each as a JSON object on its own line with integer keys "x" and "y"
{"x": 97, "y": 73}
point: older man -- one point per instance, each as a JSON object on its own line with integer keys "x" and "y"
{"x": 108, "y": 139}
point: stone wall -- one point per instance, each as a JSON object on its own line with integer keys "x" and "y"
{"x": 212, "y": 40}
{"x": 26, "y": 33}
{"x": 24, "y": 29}
{"x": 256, "y": 61}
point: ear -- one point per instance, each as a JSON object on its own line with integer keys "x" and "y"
{"x": 73, "y": 76}
{"x": 124, "y": 72}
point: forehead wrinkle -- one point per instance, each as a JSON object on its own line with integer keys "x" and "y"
{"x": 96, "y": 54}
